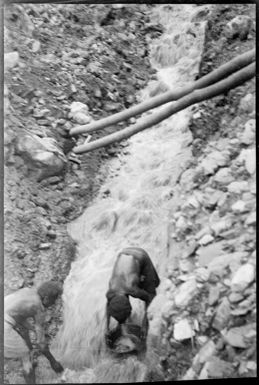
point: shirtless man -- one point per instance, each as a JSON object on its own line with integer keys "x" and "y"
{"x": 19, "y": 307}
{"x": 133, "y": 274}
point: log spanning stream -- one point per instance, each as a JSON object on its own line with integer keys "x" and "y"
{"x": 143, "y": 195}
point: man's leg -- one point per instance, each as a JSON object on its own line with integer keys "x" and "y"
{"x": 28, "y": 369}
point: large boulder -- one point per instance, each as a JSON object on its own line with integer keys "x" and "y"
{"x": 43, "y": 154}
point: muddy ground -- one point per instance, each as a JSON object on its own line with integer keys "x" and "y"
{"x": 97, "y": 55}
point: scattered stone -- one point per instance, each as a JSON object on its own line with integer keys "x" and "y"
{"x": 79, "y": 113}
{"x": 238, "y": 187}
{"x": 208, "y": 253}
{"x": 220, "y": 226}
{"x": 43, "y": 153}
{"x": 204, "y": 231}
{"x": 248, "y": 136}
{"x": 247, "y": 103}
{"x": 222, "y": 315}
{"x": 192, "y": 247}
{"x": 218, "y": 368}
{"x": 183, "y": 330}
{"x": 251, "y": 365}
{"x": 201, "y": 340}
{"x": 248, "y": 156}
{"x": 223, "y": 176}
{"x": 213, "y": 161}
{"x": 207, "y": 350}
{"x": 240, "y": 337}
{"x": 189, "y": 375}
{"x": 235, "y": 297}
{"x": 213, "y": 198}
{"x": 202, "y": 274}
{"x": 243, "y": 277}
{"x": 36, "y": 46}
{"x": 186, "y": 265}
{"x": 185, "y": 293}
{"x": 206, "y": 239}
{"x": 239, "y": 207}
{"x": 214, "y": 295}
{"x": 251, "y": 219}
{"x": 44, "y": 246}
{"x": 11, "y": 60}
{"x": 240, "y": 26}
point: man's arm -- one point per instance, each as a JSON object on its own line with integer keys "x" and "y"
{"x": 142, "y": 294}
{"x": 39, "y": 329}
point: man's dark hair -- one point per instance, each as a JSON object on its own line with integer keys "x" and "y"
{"x": 119, "y": 307}
{"x": 50, "y": 289}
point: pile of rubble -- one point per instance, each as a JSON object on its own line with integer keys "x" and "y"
{"x": 213, "y": 290}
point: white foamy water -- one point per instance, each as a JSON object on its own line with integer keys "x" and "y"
{"x": 136, "y": 213}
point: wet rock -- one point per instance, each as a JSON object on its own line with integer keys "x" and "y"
{"x": 240, "y": 337}
{"x": 243, "y": 277}
{"x": 248, "y": 136}
{"x": 239, "y": 207}
{"x": 240, "y": 26}
{"x": 206, "y": 239}
{"x": 222, "y": 315}
{"x": 223, "y": 176}
{"x": 185, "y": 293}
{"x": 214, "y": 294}
{"x": 238, "y": 187}
{"x": 209, "y": 253}
{"x": 183, "y": 330}
{"x": 247, "y": 103}
{"x": 79, "y": 113}
{"x": 218, "y": 368}
{"x": 251, "y": 219}
{"x": 11, "y": 60}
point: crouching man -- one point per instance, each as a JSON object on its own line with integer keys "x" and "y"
{"x": 19, "y": 307}
{"x": 133, "y": 275}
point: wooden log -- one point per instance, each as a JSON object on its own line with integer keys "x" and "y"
{"x": 216, "y": 75}
{"x": 194, "y": 97}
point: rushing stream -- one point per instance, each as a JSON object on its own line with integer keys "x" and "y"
{"x": 143, "y": 195}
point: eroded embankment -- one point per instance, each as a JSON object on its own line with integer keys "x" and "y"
{"x": 65, "y": 54}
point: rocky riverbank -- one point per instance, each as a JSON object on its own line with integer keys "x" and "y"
{"x": 210, "y": 327}
{"x": 56, "y": 56}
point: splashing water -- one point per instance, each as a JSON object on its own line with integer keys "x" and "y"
{"x": 137, "y": 212}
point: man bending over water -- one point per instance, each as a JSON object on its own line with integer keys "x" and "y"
{"x": 133, "y": 274}
{"x": 20, "y": 306}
